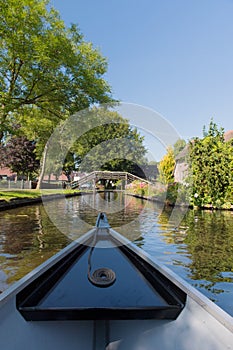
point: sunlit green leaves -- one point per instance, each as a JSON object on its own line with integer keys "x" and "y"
{"x": 211, "y": 163}
{"x": 44, "y": 64}
{"x": 111, "y": 145}
{"x": 166, "y": 167}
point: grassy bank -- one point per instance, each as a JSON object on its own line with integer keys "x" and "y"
{"x": 8, "y": 195}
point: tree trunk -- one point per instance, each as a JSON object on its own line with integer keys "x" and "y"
{"x": 42, "y": 167}
{"x": 1, "y": 137}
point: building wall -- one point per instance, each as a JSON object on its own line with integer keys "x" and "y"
{"x": 181, "y": 171}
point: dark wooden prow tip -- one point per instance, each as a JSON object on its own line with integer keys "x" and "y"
{"x": 102, "y": 221}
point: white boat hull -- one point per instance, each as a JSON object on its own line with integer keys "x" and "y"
{"x": 194, "y": 329}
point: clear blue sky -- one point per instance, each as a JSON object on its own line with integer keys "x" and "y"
{"x": 173, "y": 56}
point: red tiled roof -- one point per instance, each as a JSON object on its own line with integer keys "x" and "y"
{"x": 6, "y": 171}
{"x": 61, "y": 177}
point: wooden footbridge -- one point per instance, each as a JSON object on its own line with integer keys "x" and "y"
{"x": 95, "y": 176}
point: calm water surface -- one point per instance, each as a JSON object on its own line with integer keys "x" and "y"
{"x": 200, "y": 249}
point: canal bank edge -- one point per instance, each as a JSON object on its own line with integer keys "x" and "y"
{"x": 182, "y": 205}
{"x": 21, "y": 202}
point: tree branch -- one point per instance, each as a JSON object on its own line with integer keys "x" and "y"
{"x": 15, "y": 74}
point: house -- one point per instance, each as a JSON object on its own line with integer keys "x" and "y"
{"x": 181, "y": 166}
{"x": 54, "y": 177}
{"x": 7, "y": 174}
{"x": 228, "y": 136}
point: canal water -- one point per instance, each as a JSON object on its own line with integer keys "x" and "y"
{"x": 199, "y": 249}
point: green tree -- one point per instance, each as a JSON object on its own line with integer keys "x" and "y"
{"x": 211, "y": 164}
{"x": 45, "y": 64}
{"x": 94, "y": 139}
{"x": 69, "y": 165}
{"x": 19, "y": 155}
{"x": 178, "y": 146}
{"x": 47, "y": 70}
{"x": 113, "y": 145}
{"x": 166, "y": 167}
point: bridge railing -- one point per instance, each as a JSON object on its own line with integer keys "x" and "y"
{"x": 107, "y": 175}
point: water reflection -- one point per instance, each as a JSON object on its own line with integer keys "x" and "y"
{"x": 27, "y": 238}
{"x": 201, "y": 250}
{"x": 73, "y": 216}
{"x": 210, "y": 244}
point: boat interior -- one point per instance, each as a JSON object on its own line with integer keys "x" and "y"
{"x": 101, "y": 279}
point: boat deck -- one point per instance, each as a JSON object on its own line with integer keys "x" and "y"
{"x": 130, "y": 289}
{"x": 65, "y": 292}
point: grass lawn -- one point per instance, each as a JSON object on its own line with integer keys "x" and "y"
{"x": 7, "y": 195}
